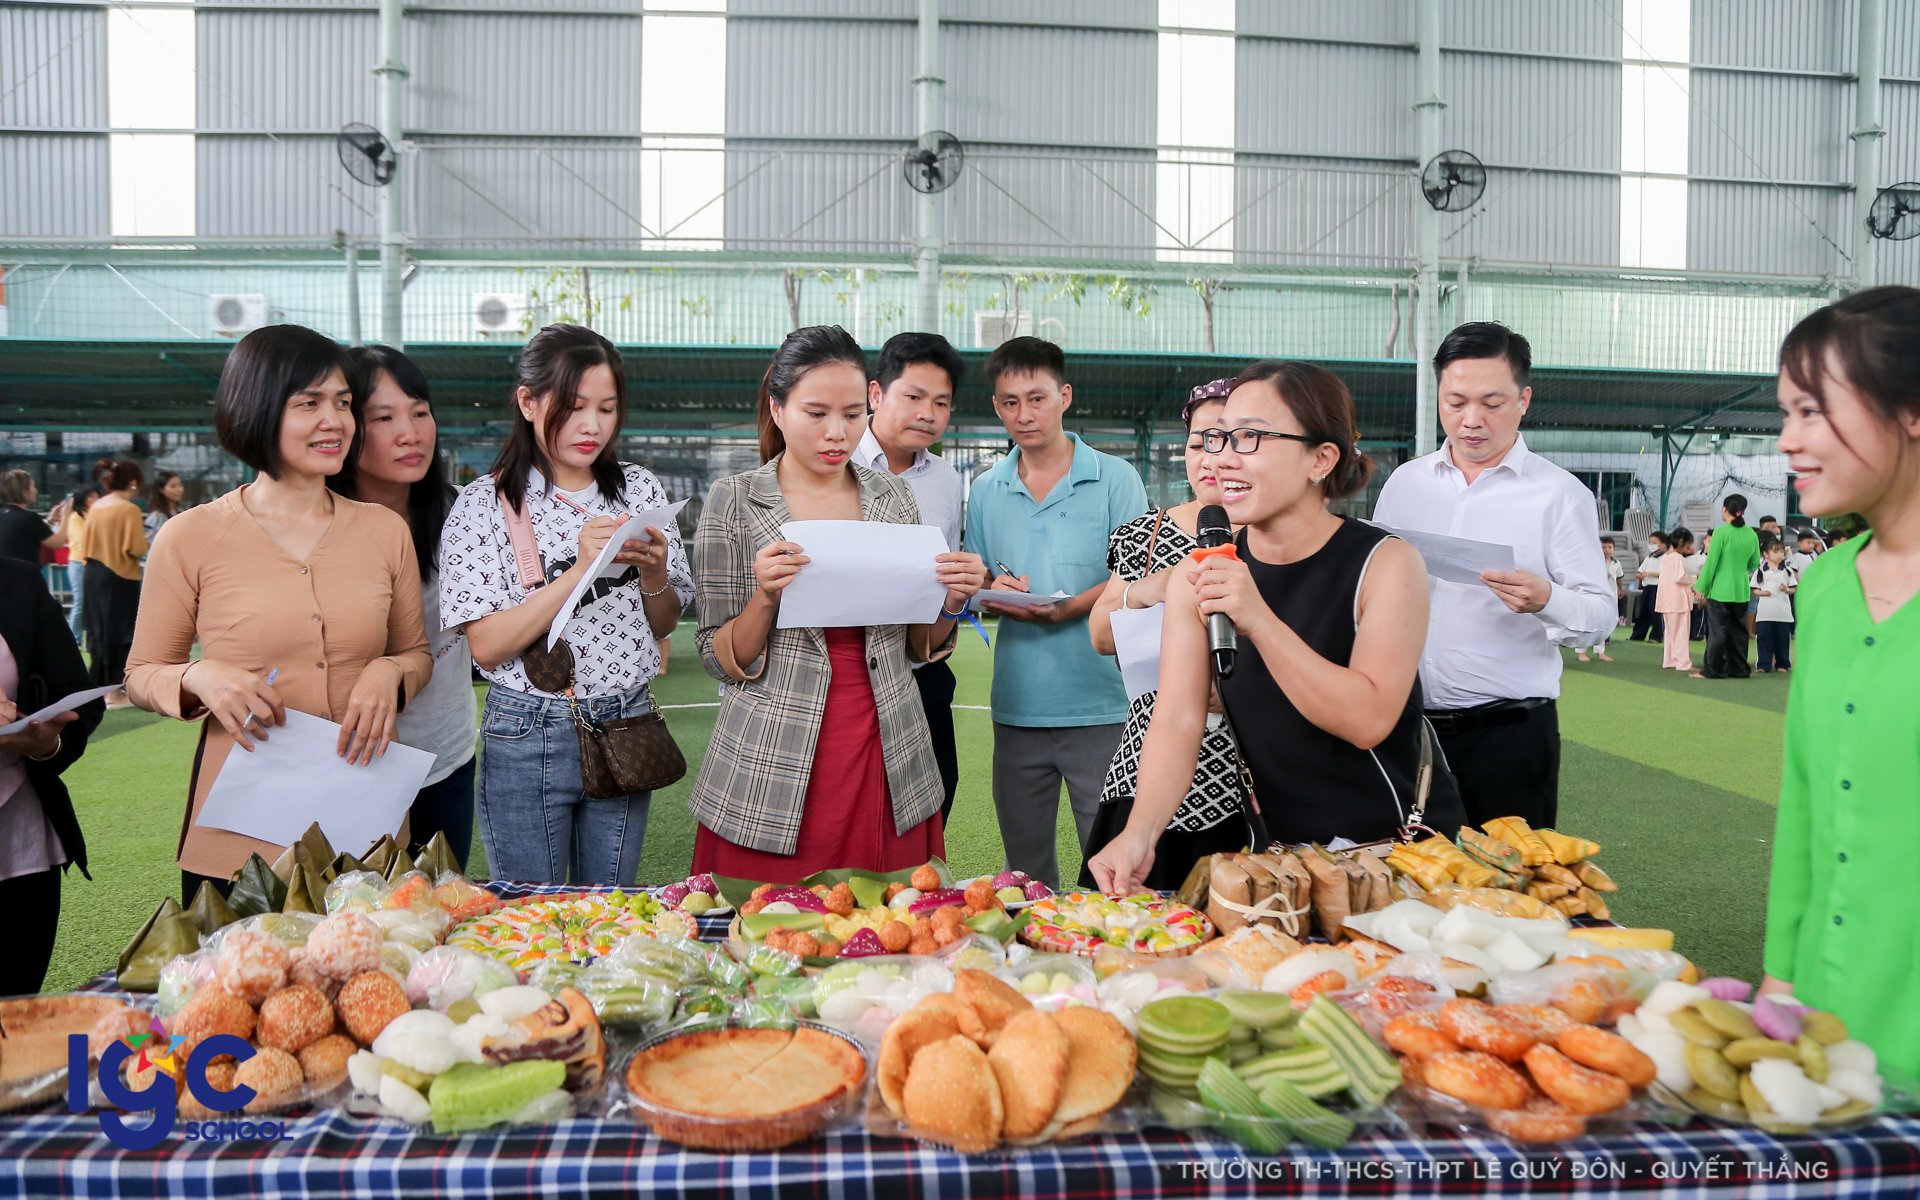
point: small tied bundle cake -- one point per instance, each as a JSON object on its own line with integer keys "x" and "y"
{"x": 1080, "y": 922}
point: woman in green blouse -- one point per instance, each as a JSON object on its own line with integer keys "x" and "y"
{"x": 1843, "y": 914}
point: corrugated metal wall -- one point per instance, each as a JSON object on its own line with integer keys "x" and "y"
{"x": 53, "y": 78}
{"x": 528, "y": 120}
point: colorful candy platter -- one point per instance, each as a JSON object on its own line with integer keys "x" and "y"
{"x": 1080, "y": 922}
{"x": 576, "y": 927}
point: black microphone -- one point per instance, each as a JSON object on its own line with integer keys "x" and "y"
{"x": 1213, "y": 529}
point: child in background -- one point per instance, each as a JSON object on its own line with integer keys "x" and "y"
{"x": 1675, "y": 600}
{"x": 1614, "y": 573}
{"x": 1697, "y": 558}
{"x": 1773, "y": 586}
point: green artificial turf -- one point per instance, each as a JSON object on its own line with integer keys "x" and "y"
{"x": 1675, "y": 777}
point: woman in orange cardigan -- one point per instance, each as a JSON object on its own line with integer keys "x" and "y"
{"x": 278, "y": 579}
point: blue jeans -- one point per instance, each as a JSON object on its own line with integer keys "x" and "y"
{"x": 535, "y": 821}
{"x": 76, "y": 576}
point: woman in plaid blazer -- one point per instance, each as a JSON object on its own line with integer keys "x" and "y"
{"x": 820, "y": 756}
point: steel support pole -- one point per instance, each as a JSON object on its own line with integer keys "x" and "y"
{"x": 1867, "y": 132}
{"x": 1426, "y": 319}
{"x": 392, "y": 75}
{"x": 928, "y": 88}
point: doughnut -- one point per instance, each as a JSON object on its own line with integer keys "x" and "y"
{"x": 1583, "y": 1090}
{"x": 1478, "y": 1079}
{"x": 1477, "y": 1026}
{"x": 1418, "y": 1034}
{"x": 1543, "y": 1021}
{"x": 1538, "y": 1120}
{"x": 1609, "y": 1052}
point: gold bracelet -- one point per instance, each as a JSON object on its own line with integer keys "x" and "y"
{"x": 49, "y": 754}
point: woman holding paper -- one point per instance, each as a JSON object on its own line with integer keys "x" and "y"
{"x": 396, "y": 464}
{"x": 1145, "y": 554}
{"x": 1331, "y": 614}
{"x": 518, "y": 544}
{"x": 298, "y": 598}
{"x": 820, "y": 756}
{"x": 39, "y": 834}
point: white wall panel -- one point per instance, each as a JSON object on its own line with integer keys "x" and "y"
{"x": 1362, "y": 20}
{"x": 286, "y": 70}
{"x": 1307, "y": 99}
{"x": 1321, "y": 213}
{"x": 821, "y": 79}
{"x": 1800, "y": 35}
{"x": 555, "y": 193}
{"x": 53, "y": 67}
{"x": 53, "y": 186}
{"x": 1076, "y": 87}
{"x": 1539, "y": 217}
{"x": 523, "y": 73}
{"x": 1532, "y": 112}
{"x": 287, "y": 187}
{"x": 1786, "y": 128}
{"x": 1738, "y": 227}
{"x": 1589, "y": 28}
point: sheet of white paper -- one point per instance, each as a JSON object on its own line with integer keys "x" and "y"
{"x": 1016, "y": 599}
{"x": 635, "y": 530}
{"x": 863, "y": 573}
{"x": 1136, "y": 643}
{"x": 1457, "y": 560}
{"x": 65, "y": 704}
{"x": 295, "y": 778}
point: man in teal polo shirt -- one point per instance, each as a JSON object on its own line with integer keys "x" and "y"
{"x": 1041, "y": 518}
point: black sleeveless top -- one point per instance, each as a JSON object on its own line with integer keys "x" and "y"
{"x": 1311, "y": 785}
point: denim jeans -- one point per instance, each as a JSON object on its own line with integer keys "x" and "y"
{"x": 76, "y": 577}
{"x": 535, "y": 821}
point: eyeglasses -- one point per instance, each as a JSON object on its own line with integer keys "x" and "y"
{"x": 1246, "y": 441}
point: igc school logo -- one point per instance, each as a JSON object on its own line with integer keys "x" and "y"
{"x": 156, "y": 1049}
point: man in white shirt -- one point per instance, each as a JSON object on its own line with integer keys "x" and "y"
{"x": 910, "y": 401}
{"x": 1491, "y": 671}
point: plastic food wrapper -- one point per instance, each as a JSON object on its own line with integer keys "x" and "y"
{"x": 1426, "y": 1111}
{"x": 427, "y": 1069}
{"x": 1123, "y": 1118}
{"x": 1053, "y": 981}
{"x": 1590, "y": 993}
{"x": 356, "y": 891}
{"x": 863, "y": 996}
{"x": 629, "y": 999}
{"x": 677, "y": 960}
{"x": 1125, "y": 994}
{"x": 33, "y": 1040}
{"x": 292, "y": 929}
{"x": 1169, "y": 1109}
{"x": 408, "y": 927}
{"x": 446, "y": 975}
{"x": 181, "y": 978}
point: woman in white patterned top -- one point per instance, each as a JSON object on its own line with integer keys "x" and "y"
{"x": 558, "y": 468}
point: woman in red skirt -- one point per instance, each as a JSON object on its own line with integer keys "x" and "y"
{"x": 820, "y": 756}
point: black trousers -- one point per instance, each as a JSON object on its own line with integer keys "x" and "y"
{"x": 1507, "y": 769}
{"x": 1776, "y": 645}
{"x": 936, "y": 684}
{"x": 1648, "y": 625}
{"x": 444, "y": 807}
{"x": 34, "y": 901}
{"x": 1726, "y": 640}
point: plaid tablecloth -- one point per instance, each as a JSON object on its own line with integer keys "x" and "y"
{"x": 332, "y": 1153}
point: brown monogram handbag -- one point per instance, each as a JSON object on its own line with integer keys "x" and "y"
{"x": 628, "y": 755}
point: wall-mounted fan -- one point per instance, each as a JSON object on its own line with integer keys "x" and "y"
{"x": 1895, "y": 214}
{"x": 1454, "y": 181}
{"x": 933, "y": 170}
{"x": 366, "y": 155}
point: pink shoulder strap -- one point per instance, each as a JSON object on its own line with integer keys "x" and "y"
{"x": 526, "y": 557}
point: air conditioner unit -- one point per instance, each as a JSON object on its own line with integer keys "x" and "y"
{"x": 236, "y": 315}
{"x": 992, "y": 328}
{"x": 499, "y": 312}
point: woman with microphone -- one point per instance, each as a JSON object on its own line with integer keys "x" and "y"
{"x": 1331, "y": 616}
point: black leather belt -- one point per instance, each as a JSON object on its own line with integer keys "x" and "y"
{"x": 1483, "y": 716}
